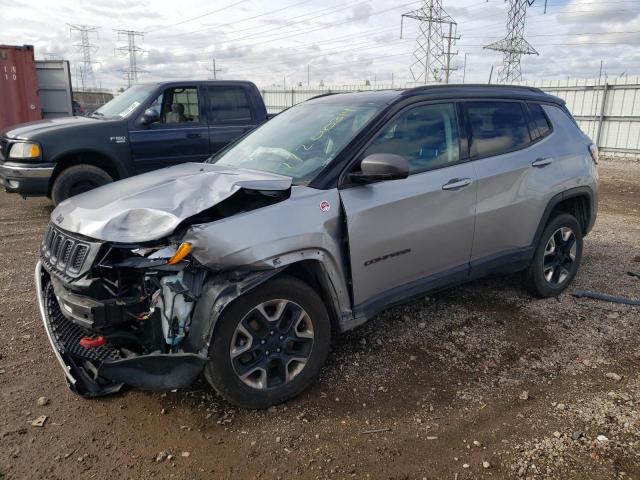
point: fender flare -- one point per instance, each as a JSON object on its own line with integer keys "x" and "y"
{"x": 555, "y": 200}
{"x": 223, "y": 288}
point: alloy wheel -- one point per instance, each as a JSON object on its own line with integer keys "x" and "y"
{"x": 559, "y": 256}
{"x": 271, "y": 344}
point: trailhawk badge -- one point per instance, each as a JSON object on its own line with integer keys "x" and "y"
{"x": 325, "y": 206}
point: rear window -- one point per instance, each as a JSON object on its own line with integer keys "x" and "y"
{"x": 228, "y": 104}
{"x": 497, "y": 127}
{"x": 539, "y": 122}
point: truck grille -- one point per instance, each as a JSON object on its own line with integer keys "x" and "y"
{"x": 64, "y": 253}
{"x": 4, "y": 149}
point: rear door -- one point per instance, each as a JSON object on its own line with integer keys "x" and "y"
{"x": 180, "y": 136}
{"x": 408, "y": 235}
{"x": 515, "y": 153}
{"x": 229, "y": 114}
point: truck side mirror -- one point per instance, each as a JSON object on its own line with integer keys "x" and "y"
{"x": 381, "y": 166}
{"x": 150, "y": 116}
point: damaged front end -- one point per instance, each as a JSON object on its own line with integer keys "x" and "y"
{"x": 119, "y": 314}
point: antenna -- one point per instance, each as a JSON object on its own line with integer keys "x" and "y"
{"x": 132, "y": 50}
{"x": 513, "y": 45}
{"x": 431, "y": 60}
{"x": 87, "y": 77}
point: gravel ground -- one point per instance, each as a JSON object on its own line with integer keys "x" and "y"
{"x": 478, "y": 381}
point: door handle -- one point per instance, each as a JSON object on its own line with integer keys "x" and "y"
{"x": 456, "y": 183}
{"x": 194, "y": 135}
{"x": 542, "y": 162}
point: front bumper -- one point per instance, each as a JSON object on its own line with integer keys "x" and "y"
{"x": 103, "y": 370}
{"x": 26, "y": 179}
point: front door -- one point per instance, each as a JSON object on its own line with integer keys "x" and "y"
{"x": 181, "y": 135}
{"x": 409, "y": 235}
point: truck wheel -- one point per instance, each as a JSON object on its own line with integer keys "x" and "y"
{"x": 557, "y": 257}
{"x": 77, "y": 179}
{"x": 269, "y": 345}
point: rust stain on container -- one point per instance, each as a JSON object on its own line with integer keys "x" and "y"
{"x": 19, "y": 99}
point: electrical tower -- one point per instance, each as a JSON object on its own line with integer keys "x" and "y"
{"x": 432, "y": 62}
{"x": 87, "y": 79}
{"x": 513, "y": 45}
{"x": 132, "y": 50}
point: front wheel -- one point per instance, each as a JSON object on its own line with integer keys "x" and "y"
{"x": 557, "y": 257}
{"x": 270, "y": 344}
{"x": 77, "y": 179}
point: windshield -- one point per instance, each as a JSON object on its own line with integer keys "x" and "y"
{"x": 300, "y": 141}
{"x": 126, "y": 102}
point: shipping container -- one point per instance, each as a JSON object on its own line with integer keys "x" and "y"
{"x": 19, "y": 99}
{"x": 54, "y": 86}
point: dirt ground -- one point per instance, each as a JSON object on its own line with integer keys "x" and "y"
{"x": 482, "y": 381}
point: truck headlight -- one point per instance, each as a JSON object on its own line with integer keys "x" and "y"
{"x": 25, "y": 151}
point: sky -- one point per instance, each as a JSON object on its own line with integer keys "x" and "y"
{"x": 336, "y": 42}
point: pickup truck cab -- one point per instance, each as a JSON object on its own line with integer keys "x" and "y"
{"x": 149, "y": 126}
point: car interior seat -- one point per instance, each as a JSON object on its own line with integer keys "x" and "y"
{"x": 176, "y": 115}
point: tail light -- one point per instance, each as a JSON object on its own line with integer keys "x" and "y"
{"x": 593, "y": 150}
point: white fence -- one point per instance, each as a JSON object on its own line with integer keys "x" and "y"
{"x": 607, "y": 110}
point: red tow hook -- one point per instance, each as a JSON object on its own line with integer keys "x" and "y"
{"x": 92, "y": 342}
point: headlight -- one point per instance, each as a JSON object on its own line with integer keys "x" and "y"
{"x": 25, "y": 151}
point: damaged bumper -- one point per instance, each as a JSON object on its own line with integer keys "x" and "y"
{"x": 105, "y": 369}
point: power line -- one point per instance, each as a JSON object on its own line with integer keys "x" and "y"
{"x": 198, "y": 17}
{"x": 87, "y": 77}
{"x": 132, "y": 50}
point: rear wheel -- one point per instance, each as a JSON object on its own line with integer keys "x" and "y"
{"x": 77, "y": 179}
{"x": 270, "y": 344}
{"x": 557, "y": 257}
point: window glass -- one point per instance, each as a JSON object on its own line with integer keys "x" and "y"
{"x": 299, "y": 142}
{"x": 177, "y": 105}
{"x": 229, "y": 104}
{"x": 184, "y": 106}
{"x": 539, "y": 119}
{"x": 125, "y": 103}
{"x": 497, "y": 127}
{"x": 427, "y": 136}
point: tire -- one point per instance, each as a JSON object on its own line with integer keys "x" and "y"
{"x": 77, "y": 179}
{"x": 243, "y": 345}
{"x": 557, "y": 257}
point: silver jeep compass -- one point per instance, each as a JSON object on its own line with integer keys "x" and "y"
{"x": 243, "y": 267}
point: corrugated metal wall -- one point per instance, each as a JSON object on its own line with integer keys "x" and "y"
{"x": 608, "y": 111}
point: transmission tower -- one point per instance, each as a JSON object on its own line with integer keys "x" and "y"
{"x": 513, "y": 45}
{"x": 132, "y": 50}
{"x": 432, "y": 63}
{"x": 87, "y": 79}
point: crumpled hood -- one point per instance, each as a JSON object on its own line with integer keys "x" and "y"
{"x": 150, "y": 206}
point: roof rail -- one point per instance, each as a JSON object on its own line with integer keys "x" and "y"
{"x": 444, "y": 86}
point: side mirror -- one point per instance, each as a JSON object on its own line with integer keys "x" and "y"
{"x": 381, "y": 166}
{"x": 150, "y": 116}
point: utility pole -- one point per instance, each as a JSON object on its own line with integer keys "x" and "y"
{"x": 464, "y": 69}
{"x": 430, "y": 59}
{"x": 87, "y": 79}
{"x": 451, "y": 38}
{"x": 132, "y": 50}
{"x": 214, "y": 69}
{"x": 308, "y": 74}
{"x": 513, "y": 45}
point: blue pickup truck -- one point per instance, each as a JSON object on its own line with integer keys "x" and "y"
{"x": 149, "y": 126}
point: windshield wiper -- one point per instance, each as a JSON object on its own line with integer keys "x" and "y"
{"x": 96, "y": 113}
